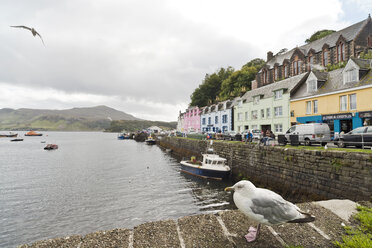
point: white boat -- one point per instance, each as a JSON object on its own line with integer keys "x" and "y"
{"x": 212, "y": 167}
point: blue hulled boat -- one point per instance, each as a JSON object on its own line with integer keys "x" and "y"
{"x": 212, "y": 167}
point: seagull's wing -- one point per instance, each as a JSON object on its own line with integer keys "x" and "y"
{"x": 40, "y": 37}
{"x": 21, "y": 27}
{"x": 274, "y": 208}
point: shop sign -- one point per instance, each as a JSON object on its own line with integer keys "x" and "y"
{"x": 337, "y": 116}
{"x": 365, "y": 114}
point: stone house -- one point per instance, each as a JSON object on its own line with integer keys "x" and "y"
{"x": 332, "y": 49}
{"x": 267, "y": 107}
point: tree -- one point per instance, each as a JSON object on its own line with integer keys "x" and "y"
{"x": 319, "y": 34}
{"x": 210, "y": 88}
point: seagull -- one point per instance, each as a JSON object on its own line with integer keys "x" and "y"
{"x": 265, "y": 207}
{"x": 33, "y": 31}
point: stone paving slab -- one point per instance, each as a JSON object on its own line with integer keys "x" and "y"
{"x": 237, "y": 225}
{"x": 107, "y": 239}
{"x": 156, "y": 234}
{"x": 203, "y": 231}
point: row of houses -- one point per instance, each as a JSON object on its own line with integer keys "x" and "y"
{"x": 296, "y": 87}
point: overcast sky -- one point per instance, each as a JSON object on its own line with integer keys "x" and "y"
{"x": 145, "y": 57}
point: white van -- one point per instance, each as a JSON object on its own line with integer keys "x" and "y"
{"x": 310, "y": 133}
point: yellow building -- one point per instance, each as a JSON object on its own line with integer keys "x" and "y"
{"x": 342, "y": 98}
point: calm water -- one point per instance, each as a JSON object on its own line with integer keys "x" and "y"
{"x": 93, "y": 182}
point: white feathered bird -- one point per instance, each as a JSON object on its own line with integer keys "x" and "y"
{"x": 265, "y": 207}
{"x": 33, "y": 31}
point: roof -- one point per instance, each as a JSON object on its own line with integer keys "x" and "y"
{"x": 268, "y": 90}
{"x": 335, "y": 82}
{"x": 348, "y": 33}
{"x": 363, "y": 63}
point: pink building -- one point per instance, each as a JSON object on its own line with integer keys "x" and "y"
{"x": 192, "y": 120}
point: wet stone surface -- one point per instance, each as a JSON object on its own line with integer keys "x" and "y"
{"x": 156, "y": 234}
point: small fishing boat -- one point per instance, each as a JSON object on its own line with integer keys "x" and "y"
{"x": 212, "y": 167}
{"x": 33, "y": 133}
{"x": 150, "y": 140}
{"x": 18, "y": 139}
{"x": 10, "y": 135}
{"x": 123, "y": 136}
{"x": 51, "y": 147}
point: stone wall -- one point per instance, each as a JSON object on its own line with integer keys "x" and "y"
{"x": 297, "y": 174}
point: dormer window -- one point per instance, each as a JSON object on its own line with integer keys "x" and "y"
{"x": 256, "y": 100}
{"x": 325, "y": 58}
{"x": 285, "y": 71}
{"x": 296, "y": 67}
{"x": 351, "y": 75}
{"x": 264, "y": 79}
{"x": 340, "y": 52}
{"x": 278, "y": 94}
{"x": 311, "y": 86}
{"x": 276, "y": 73}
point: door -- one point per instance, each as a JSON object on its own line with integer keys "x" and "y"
{"x": 346, "y": 126}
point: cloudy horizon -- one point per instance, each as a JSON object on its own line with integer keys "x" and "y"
{"x": 141, "y": 57}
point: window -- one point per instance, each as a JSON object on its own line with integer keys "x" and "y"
{"x": 262, "y": 113}
{"x": 295, "y": 67}
{"x": 224, "y": 119}
{"x": 340, "y": 52}
{"x": 256, "y": 100}
{"x": 209, "y": 120}
{"x": 311, "y": 60}
{"x": 254, "y": 115}
{"x": 352, "y": 100}
{"x": 343, "y": 103}
{"x": 268, "y": 113}
{"x": 278, "y": 111}
{"x": 325, "y": 58}
{"x": 351, "y": 75}
{"x": 276, "y": 73}
{"x": 278, "y": 94}
{"x": 264, "y": 76}
{"x": 246, "y": 116}
{"x": 315, "y": 106}
{"x": 240, "y": 103}
{"x": 311, "y": 85}
{"x": 308, "y": 107}
{"x": 254, "y": 127}
{"x": 278, "y": 128}
{"x": 216, "y": 119}
{"x": 286, "y": 71}
{"x": 240, "y": 116}
{"x": 203, "y": 121}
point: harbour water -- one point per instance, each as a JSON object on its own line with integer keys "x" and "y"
{"x": 93, "y": 182}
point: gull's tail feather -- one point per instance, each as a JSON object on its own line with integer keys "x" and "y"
{"x": 308, "y": 218}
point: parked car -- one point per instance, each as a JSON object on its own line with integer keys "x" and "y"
{"x": 357, "y": 137}
{"x": 310, "y": 133}
{"x": 230, "y": 135}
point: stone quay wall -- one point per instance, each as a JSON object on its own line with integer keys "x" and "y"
{"x": 297, "y": 174}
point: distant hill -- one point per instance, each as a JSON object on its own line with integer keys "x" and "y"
{"x": 76, "y": 119}
{"x": 138, "y": 125}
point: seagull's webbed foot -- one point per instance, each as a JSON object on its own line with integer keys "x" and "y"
{"x": 253, "y": 233}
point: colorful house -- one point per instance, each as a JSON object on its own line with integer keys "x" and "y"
{"x": 191, "y": 122}
{"x": 267, "y": 107}
{"x": 342, "y": 98}
{"x": 218, "y": 117}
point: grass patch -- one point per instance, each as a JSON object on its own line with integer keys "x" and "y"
{"x": 361, "y": 236}
{"x": 321, "y": 148}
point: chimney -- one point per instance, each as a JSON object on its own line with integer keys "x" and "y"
{"x": 270, "y": 55}
{"x": 254, "y": 85}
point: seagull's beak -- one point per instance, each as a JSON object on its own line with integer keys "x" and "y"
{"x": 229, "y": 189}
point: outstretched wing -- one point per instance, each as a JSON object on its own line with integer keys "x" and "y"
{"x": 21, "y": 27}
{"x": 40, "y": 37}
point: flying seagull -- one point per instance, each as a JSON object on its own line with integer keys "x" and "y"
{"x": 33, "y": 31}
{"x": 265, "y": 207}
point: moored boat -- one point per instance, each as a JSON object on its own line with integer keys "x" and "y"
{"x": 212, "y": 167}
{"x": 33, "y": 133}
{"x": 51, "y": 147}
{"x": 18, "y": 139}
{"x": 150, "y": 140}
{"x": 10, "y": 135}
